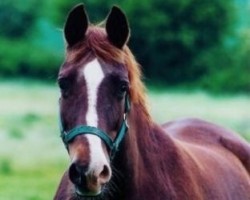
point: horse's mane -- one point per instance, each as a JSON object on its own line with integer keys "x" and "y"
{"x": 96, "y": 43}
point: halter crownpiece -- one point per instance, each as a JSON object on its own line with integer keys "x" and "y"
{"x": 113, "y": 145}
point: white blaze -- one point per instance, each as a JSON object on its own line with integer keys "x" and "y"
{"x": 94, "y": 75}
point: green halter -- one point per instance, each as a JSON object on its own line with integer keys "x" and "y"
{"x": 113, "y": 145}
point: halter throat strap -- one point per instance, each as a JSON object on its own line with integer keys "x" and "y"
{"x": 113, "y": 145}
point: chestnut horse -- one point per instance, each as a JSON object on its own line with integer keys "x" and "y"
{"x": 117, "y": 152}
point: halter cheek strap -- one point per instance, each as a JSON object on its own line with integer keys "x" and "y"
{"x": 113, "y": 145}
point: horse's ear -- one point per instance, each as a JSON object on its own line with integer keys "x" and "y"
{"x": 117, "y": 27}
{"x": 76, "y": 25}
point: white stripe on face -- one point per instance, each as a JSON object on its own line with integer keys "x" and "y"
{"x": 94, "y": 75}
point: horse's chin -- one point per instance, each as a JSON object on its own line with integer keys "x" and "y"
{"x": 86, "y": 193}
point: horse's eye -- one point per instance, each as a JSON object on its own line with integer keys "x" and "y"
{"x": 123, "y": 87}
{"x": 64, "y": 85}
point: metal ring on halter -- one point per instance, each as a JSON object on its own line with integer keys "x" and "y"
{"x": 125, "y": 119}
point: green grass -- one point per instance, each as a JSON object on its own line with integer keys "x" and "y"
{"x": 30, "y": 184}
{"x": 32, "y": 156}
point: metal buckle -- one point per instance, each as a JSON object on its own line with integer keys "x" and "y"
{"x": 125, "y": 119}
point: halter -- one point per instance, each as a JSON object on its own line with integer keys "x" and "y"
{"x": 113, "y": 145}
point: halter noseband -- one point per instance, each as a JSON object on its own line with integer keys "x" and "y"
{"x": 113, "y": 145}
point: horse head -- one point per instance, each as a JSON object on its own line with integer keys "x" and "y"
{"x": 95, "y": 97}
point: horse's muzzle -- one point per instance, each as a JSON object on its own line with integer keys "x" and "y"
{"x": 88, "y": 182}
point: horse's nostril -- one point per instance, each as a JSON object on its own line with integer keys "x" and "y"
{"x": 104, "y": 175}
{"x": 77, "y": 174}
{"x": 74, "y": 174}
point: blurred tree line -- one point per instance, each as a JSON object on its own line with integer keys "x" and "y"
{"x": 20, "y": 52}
{"x": 194, "y": 43}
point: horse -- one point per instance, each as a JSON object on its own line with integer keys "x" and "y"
{"x": 117, "y": 151}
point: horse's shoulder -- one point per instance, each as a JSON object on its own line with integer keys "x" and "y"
{"x": 196, "y": 130}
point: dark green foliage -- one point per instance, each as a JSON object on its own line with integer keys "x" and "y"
{"x": 21, "y": 57}
{"x": 19, "y": 54}
{"x": 17, "y": 18}
{"x": 228, "y": 69}
{"x": 174, "y": 35}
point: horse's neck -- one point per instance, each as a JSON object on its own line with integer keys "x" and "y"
{"x": 150, "y": 156}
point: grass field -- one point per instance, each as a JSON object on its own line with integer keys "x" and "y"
{"x": 32, "y": 156}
